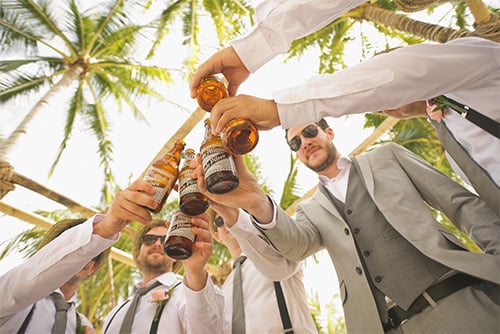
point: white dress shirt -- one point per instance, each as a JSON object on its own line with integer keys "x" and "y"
{"x": 260, "y": 303}
{"x": 465, "y": 69}
{"x": 50, "y": 267}
{"x": 186, "y": 311}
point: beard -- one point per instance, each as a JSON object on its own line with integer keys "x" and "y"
{"x": 155, "y": 265}
{"x": 331, "y": 153}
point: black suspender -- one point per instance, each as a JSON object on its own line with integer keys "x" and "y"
{"x": 27, "y": 320}
{"x": 484, "y": 122}
{"x": 285, "y": 318}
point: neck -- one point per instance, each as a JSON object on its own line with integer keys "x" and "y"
{"x": 68, "y": 290}
{"x": 332, "y": 170}
{"x": 147, "y": 277}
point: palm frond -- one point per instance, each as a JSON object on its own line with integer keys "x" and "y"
{"x": 76, "y": 105}
{"x": 289, "y": 194}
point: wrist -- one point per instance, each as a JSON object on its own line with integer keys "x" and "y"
{"x": 262, "y": 209}
{"x": 103, "y": 227}
{"x": 195, "y": 280}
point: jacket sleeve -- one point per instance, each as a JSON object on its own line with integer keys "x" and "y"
{"x": 465, "y": 210}
{"x": 256, "y": 247}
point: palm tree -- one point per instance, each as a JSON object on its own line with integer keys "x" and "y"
{"x": 227, "y": 17}
{"x": 85, "y": 55}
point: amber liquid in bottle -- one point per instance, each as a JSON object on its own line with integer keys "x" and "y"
{"x": 218, "y": 164}
{"x": 239, "y": 135}
{"x": 191, "y": 201}
{"x": 163, "y": 173}
{"x": 180, "y": 239}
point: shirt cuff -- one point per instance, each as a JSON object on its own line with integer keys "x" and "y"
{"x": 271, "y": 224}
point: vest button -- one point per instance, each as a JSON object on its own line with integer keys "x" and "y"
{"x": 356, "y": 230}
{"x": 349, "y": 211}
{"x": 359, "y": 271}
{"x": 378, "y": 279}
{"x": 366, "y": 253}
{"x": 346, "y": 231}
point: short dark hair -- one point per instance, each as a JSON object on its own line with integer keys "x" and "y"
{"x": 322, "y": 123}
{"x": 58, "y": 228}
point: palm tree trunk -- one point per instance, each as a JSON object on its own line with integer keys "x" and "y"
{"x": 9, "y": 143}
{"x": 479, "y": 11}
{"x": 400, "y": 22}
{"x": 182, "y": 132}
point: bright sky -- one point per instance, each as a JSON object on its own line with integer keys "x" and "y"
{"x": 78, "y": 175}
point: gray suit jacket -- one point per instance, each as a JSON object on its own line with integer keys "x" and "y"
{"x": 400, "y": 184}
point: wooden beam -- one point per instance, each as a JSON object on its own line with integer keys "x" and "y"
{"x": 45, "y": 223}
{"x": 59, "y": 198}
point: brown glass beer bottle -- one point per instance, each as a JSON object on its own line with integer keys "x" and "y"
{"x": 180, "y": 238}
{"x": 239, "y": 135}
{"x": 163, "y": 173}
{"x": 191, "y": 201}
{"x": 218, "y": 164}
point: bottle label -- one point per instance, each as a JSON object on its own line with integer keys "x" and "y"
{"x": 215, "y": 158}
{"x": 161, "y": 180}
{"x": 181, "y": 227}
{"x": 186, "y": 184}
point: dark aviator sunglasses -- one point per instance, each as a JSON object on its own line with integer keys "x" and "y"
{"x": 309, "y": 131}
{"x": 150, "y": 239}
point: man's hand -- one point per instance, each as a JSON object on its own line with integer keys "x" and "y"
{"x": 129, "y": 205}
{"x": 195, "y": 274}
{"x": 263, "y": 113}
{"x": 226, "y": 62}
{"x": 248, "y": 195}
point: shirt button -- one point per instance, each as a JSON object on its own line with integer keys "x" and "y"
{"x": 349, "y": 211}
{"x": 346, "y": 231}
{"x": 356, "y": 230}
{"x": 378, "y": 279}
{"x": 366, "y": 253}
{"x": 359, "y": 271}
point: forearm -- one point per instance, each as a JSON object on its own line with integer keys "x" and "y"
{"x": 205, "y": 309}
{"x": 50, "y": 267}
{"x": 279, "y": 25}
{"x": 464, "y": 209}
{"x": 387, "y": 82}
{"x": 265, "y": 258}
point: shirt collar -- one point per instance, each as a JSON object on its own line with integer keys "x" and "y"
{"x": 342, "y": 164}
{"x": 167, "y": 279}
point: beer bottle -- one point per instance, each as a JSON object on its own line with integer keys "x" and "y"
{"x": 180, "y": 238}
{"x": 191, "y": 201}
{"x": 163, "y": 173}
{"x": 218, "y": 164}
{"x": 239, "y": 135}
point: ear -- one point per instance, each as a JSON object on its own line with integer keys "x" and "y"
{"x": 330, "y": 133}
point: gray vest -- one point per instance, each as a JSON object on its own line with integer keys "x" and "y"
{"x": 393, "y": 266}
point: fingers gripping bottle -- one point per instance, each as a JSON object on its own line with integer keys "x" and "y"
{"x": 163, "y": 173}
{"x": 239, "y": 135}
{"x": 218, "y": 164}
{"x": 191, "y": 201}
{"x": 180, "y": 238}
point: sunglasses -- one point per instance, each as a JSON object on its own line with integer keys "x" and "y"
{"x": 218, "y": 221}
{"x": 309, "y": 131}
{"x": 150, "y": 239}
